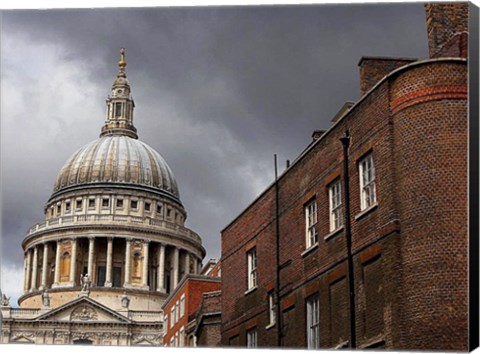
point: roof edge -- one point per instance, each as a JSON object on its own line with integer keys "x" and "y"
{"x": 360, "y": 100}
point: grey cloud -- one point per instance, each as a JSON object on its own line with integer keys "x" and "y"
{"x": 218, "y": 91}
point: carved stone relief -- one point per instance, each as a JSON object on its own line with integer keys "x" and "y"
{"x": 84, "y": 313}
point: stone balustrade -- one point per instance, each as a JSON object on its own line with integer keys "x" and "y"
{"x": 97, "y": 219}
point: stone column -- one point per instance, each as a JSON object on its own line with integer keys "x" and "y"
{"x": 145, "y": 265}
{"x": 195, "y": 265}
{"x": 187, "y": 263}
{"x": 25, "y": 272}
{"x": 34, "y": 269}
{"x": 161, "y": 269}
{"x": 175, "y": 268}
{"x": 57, "y": 264}
{"x": 28, "y": 272}
{"x": 127, "y": 262}
{"x": 44, "y": 266}
{"x": 199, "y": 265}
{"x": 91, "y": 251}
{"x": 108, "y": 277}
{"x": 73, "y": 262}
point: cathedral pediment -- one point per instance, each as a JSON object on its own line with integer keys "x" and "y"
{"x": 83, "y": 310}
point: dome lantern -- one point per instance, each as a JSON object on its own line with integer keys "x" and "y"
{"x": 120, "y": 105}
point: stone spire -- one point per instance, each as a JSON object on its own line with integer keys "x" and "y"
{"x": 119, "y": 118}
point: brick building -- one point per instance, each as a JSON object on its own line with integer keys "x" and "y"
{"x": 206, "y": 327}
{"x": 285, "y": 269}
{"x": 190, "y": 308}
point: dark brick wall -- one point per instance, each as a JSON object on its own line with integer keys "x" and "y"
{"x": 431, "y": 155}
{"x": 208, "y": 320}
{"x": 409, "y": 250}
{"x": 372, "y": 69}
{"x": 447, "y": 26}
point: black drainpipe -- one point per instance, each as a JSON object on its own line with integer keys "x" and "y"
{"x": 348, "y": 235}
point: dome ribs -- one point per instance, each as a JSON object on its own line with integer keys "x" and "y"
{"x": 117, "y": 160}
{"x": 155, "y": 169}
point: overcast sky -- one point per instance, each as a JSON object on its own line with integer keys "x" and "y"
{"x": 218, "y": 92}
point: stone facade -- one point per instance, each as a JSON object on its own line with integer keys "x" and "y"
{"x": 113, "y": 244}
{"x": 408, "y": 204}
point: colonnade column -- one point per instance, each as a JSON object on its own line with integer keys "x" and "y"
{"x": 57, "y": 264}
{"x": 187, "y": 263}
{"x": 161, "y": 269}
{"x": 195, "y": 265}
{"x": 28, "y": 271}
{"x": 34, "y": 269}
{"x": 73, "y": 263}
{"x": 145, "y": 265}
{"x": 91, "y": 250}
{"x": 25, "y": 272}
{"x": 44, "y": 266}
{"x": 108, "y": 277}
{"x": 175, "y": 268}
{"x": 127, "y": 262}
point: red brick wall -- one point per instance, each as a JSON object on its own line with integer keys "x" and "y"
{"x": 372, "y": 69}
{"x": 445, "y": 24}
{"x": 431, "y": 160}
{"x": 193, "y": 290}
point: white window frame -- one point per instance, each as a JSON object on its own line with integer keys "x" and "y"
{"x": 252, "y": 338}
{"x": 165, "y": 320}
{"x": 172, "y": 316}
{"x": 313, "y": 323}
{"x": 335, "y": 205}
{"x": 311, "y": 219}
{"x": 182, "y": 337}
{"x": 271, "y": 308}
{"x": 177, "y": 311}
{"x": 182, "y": 305}
{"x": 252, "y": 268}
{"x": 366, "y": 173}
{"x": 172, "y": 341}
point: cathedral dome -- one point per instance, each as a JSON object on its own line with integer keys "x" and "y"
{"x": 117, "y": 159}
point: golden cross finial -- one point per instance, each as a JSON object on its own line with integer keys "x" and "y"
{"x": 122, "y": 64}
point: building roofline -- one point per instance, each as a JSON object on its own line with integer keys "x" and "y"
{"x": 183, "y": 281}
{"x": 357, "y": 103}
{"x": 366, "y": 57}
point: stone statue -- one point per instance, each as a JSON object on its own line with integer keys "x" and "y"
{"x": 125, "y": 301}
{"x": 5, "y": 300}
{"x": 45, "y": 299}
{"x": 85, "y": 282}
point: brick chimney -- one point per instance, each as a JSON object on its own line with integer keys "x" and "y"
{"x": 372, "y": 69}
{"x": 447, "y": 29}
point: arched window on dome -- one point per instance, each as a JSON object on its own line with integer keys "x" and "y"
{"x": 65, "y": 261}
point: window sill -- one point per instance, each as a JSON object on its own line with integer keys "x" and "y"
{"x": 333, "y": 233}
{"x": 250, "y": 290}
{"x": 366, "y": 211}
{"x": 372, "y": 342}
{"x": 310, "y": 249}
{"x": 271, "y": 325}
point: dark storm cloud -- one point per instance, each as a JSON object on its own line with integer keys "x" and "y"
{"x": 218, "y": 91}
